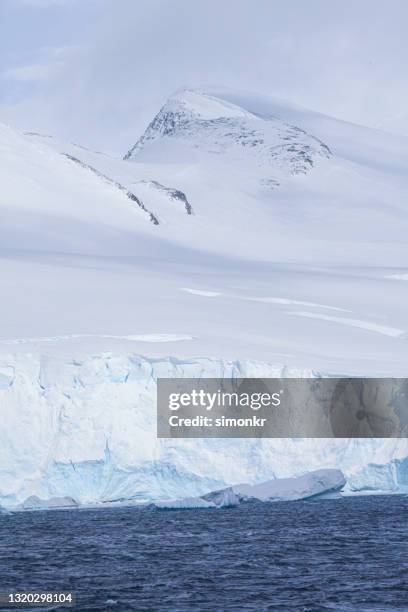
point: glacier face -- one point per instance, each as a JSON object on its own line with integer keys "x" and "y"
{"x": 84, "y": 427}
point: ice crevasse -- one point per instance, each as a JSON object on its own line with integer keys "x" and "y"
{"x": 85, "y": 428}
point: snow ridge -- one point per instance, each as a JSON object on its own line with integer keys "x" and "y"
{"x": 121, "y": 187}
{"x": 173, "y": 194}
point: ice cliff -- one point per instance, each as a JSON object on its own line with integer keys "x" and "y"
{"x": 85, "y": 428}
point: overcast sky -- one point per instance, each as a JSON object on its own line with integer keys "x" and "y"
{"x": 96, "y": 71}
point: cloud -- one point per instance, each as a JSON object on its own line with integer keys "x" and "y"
{"x": 33, "y": 72}
{"x": 45, "y": 3}
{"x": 51, "y": 61}
{"x": 342, "y": 58}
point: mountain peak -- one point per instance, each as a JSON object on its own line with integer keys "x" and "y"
{"x": 196, "y": 122}
{"x": 204, "y": 106}
{"x": 184, "y": 107}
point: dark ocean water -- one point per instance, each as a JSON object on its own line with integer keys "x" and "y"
{"x": 348, "y": 554}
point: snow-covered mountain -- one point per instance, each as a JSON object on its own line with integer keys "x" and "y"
{"x": 218, "y": 127}
{"x": 202, "y": 234}
{"x": 235, "y": 229}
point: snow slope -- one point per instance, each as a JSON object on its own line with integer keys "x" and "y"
{"x": 237, "y": 228}
{"x": 250, "y": 257}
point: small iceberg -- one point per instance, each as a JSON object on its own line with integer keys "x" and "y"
{"x": 319, "y": 483}
{"x": 54, "y": 503}
{"x": 224, "y": 498}
{"x": 182, "y": 504}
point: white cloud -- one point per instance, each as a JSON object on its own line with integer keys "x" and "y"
{"x": 45, "y": 3}
{"x": 343, "y": 58}
{"x": 32, "y": 72}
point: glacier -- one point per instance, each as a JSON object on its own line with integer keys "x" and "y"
{"x": 280, "y": 239}
{"x": 84, "y": 428}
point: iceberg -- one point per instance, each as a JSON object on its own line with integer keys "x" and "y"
{"x": 187, "y": 503}
{"x": 225, "y": 498}
{"x": 54, "y": 503}
{"x": 317, "y": 484}
{"x": 313, "y": 484}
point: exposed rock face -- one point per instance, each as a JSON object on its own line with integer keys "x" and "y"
{"x": 169, "y": 193}
{"x": 116, "y": 184}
